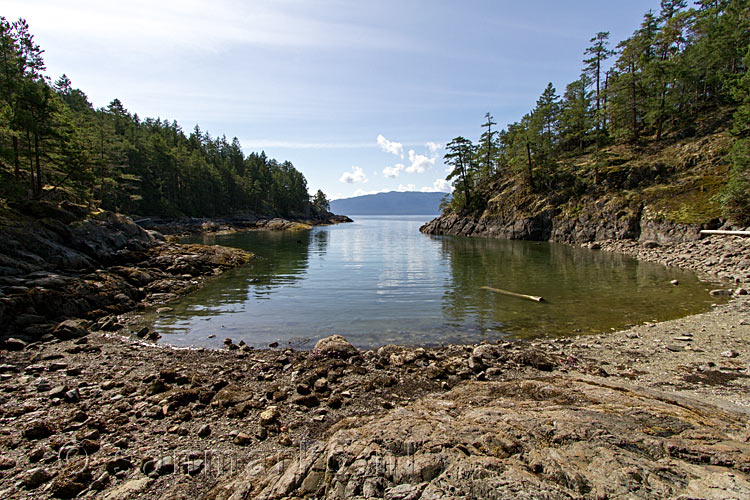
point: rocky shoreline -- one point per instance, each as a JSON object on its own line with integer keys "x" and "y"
{"x": 659, "y": 410}
{"x": 191, "y": 226}
{"x": 597, "y": 221}
{"x": 57, "y": 262}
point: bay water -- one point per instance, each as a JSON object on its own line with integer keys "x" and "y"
{"x": 378, "y": 280}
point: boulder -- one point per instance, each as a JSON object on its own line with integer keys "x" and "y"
{"x": 335, "y": 346}
{"x": 14, "y": 344}
{"x": 36, "y": 477}
{"x": 70, "y": 329}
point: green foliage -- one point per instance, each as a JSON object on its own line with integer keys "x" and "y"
{"x": 736, "y": 195}
{"x": 682, "y": 67}
{"x": 487, "y": 149}
{"x": 460, "y": 156}
{"x": 51, "y": 138}
{"x": 320, "y": 202}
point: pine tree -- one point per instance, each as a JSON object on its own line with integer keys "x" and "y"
{"x": 487, "y": 149}
{"x": 599, "y": 54}
{"x": 576, "y": 118}
{"x": 547, "y": 113}
{"x": 459, "y": 155}
{"x": 736, "y": 195}
{"x": 320, "y": 202}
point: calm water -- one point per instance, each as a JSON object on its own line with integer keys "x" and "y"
{"x": 379, "y": 280}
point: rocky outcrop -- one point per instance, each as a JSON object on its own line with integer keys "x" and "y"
{"x": 549, "y": 437}
{"x": 42, "y": 236}
{"x": 57, "y": 262}
{"x": 239, "y": 223}
{"x": 610, "y": 221}
{"x": 590, "y": 220}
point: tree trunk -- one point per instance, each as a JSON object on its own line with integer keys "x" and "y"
{"x": 598, "y": 105}
{"x": 660, "y": 119}
{"x": 16, "y": 159}
{"x": 38, "y": 165}
{"x": 633, "y": 102}
{"x": 31, "y": 163}
{"x": 528, "y": 158}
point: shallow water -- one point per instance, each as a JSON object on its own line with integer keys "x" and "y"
{"x": 379, "y": 280}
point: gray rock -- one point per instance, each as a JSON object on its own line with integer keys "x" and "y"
{"x": 192, "y": 467}
{"x": 118, "y": 464}
{"x": 242, "y": 439}
{"x": 553, "y": 437}
{"x": 129, "y": 489}
{"x": 72, "y": 396}
{"x": 335, "y": 346}
{"x": 14, "y": 344}
{"x": 70, "y": 329}
{"x": 36, "y": 477}
{"x": 204, "y": 431}
{"x": 164, "y": 466}
{"x": 308, "y": 401}
{"x": 321, "y": 385}
{"x": 405, "y": 492}
{"x": 57, "y": 392}
{"x": 101, "y": 482}
{"x": 38, "y": 429}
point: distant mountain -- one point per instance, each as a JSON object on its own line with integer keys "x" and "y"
{"x": 393, "y": 203}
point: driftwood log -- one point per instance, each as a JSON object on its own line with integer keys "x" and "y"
{"x": 513, "y": 294}
{"x": 728, "y": 233}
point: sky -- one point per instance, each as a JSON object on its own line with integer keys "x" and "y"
{"x": 361, "y": 96}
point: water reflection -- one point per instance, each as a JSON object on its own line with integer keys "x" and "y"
{"x": 584, "y": 291}
{"x": 380, "y": 281}
{"x": 283, "y": 261}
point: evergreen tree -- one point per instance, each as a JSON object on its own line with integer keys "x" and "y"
{"x": 320, "y": 202}
{"x": 459, "y": 155}
{"x": 599, "y": 53}
{"x": 576, "y": 118}
{"x": 736, "y": 195}
{"x": 546, "y": 117}
{"x": 487, "y": 149}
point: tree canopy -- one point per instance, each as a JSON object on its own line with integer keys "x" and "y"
{"x": 55, "y": 144}
{"x": 681, "y": 65}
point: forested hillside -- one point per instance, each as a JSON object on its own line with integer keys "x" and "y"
{"x": 392, "y": 203}
{"x": 659, "y": 121}
{"x": 55, "y": 145}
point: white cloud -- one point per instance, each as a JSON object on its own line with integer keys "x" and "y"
{"x": 440, "y": 185}
{"x": 395, "y": 148}
{"x": 392, "y": 172}
{"x": 188, "y": 24}
{"x": 409, "y": 187}
{"x": 434, "y": 147}
{"x": 419, "y": 163}
{"x": 357, "y": 175}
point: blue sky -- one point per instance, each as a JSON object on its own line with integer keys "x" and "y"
{"x": 360, "y": 96}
